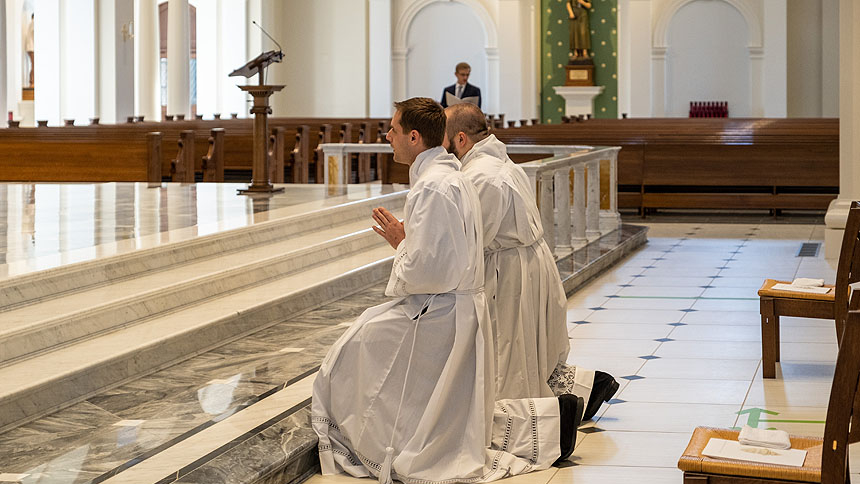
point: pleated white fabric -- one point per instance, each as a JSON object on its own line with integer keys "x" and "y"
{"x": 441, "y": 419}
{"x": 526, "y": 300}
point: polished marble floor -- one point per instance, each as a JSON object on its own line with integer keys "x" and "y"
{"x": 48, "y": 225}
{"x": 678, "y": 324}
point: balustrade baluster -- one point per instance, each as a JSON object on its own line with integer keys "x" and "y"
{"x": 562, "y": 208}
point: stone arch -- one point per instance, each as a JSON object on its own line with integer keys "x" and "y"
{"x": 661, "y": 28}
{"x": 660, "y": 47}
{"x": 400, "y": 51}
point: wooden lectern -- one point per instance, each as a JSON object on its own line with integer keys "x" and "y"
{"x": 260, "y": 183}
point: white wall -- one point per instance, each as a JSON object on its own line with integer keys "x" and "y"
{"x": 325, "y": 65}
{"x": 707, "y": 58}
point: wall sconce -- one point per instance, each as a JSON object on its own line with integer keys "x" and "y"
{"x": 128, "y": 30}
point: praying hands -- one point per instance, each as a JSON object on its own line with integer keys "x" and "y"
{"x": 389, "y": 228}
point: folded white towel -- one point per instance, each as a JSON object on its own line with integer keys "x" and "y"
{"x": 806, "y": 282}
{"x": 771, "y": 439}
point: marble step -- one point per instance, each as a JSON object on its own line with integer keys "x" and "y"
{"x": 37, "y": 287}
{"x": 32, "y": 329}
{"x": 53, "y": 380}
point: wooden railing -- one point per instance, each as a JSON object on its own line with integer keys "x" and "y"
{"x": 576, "y": 187}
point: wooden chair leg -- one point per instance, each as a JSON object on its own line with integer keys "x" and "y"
{"x": 769, "y": 338}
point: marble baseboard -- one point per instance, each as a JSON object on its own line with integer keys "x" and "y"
{"x": 25, "y": 289}
{"x": 587, "y": 262}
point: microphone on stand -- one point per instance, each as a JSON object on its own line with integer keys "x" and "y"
{"x": 280, "y": 50}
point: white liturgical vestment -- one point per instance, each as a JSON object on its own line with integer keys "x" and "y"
{"x": 410, "y": 374}
{"x": 526, "y": 300}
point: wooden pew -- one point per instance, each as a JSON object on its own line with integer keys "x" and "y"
{"x": 731, "y": 163}
{"x": 81, "y": 153}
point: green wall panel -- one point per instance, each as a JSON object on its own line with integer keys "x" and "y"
{"x": 603, "y": 18}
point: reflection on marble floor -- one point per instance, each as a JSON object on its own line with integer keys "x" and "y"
{"x": 91, "y": 440}
{"x": 48, "y": 225}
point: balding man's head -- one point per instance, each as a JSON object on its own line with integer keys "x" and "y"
{"x": 466, "y": 126}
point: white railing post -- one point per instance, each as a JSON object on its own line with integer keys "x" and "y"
{"x": 610, "y": 219}
{"x": 336, "y": 169}
{"x": 562, "y": 208}
{"x": 546, "y": 209}
{"x": 592, "y": 205}
{"x": 578, "y": 209}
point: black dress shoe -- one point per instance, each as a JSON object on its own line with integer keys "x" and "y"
{"x": 603, "y": 390}
{"x": 570, "y": 408}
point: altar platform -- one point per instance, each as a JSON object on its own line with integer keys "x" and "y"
{"x": 172, "y": 333}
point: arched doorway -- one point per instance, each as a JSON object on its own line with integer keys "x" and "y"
{"x": 708, "y": 58}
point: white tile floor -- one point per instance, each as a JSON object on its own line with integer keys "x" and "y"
{"x": 708, "y": 367}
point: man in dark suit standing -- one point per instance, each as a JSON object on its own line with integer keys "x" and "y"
{"x": 462, "y": 89}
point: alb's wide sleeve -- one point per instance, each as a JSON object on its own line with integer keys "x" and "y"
{"x": 433, "y": 256}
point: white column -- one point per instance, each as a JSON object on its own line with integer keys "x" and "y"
{"x": 592, "y": 205}
{"x": 232, "y": 42}
{"x": 115, "y": 64}
{"x": 491, "y": 102}
{"x": 14, "y": 59}
{"x": 578, "y": 212}
{"x": 774, "y": 87}
{"x": 207, "y": 56}
{"x": 829, "y": 58}
{"x": 658, "y": 82}
{"x": 77, "y": 60}
{"x": 849, "y": 127}
{"x": 634, "y": 58}
{"x": 379, "y": 58}
{"x": 757, "y": 86}
{"x": 562, "y": 208}
{"x": 47, "y": 56}
{"x": 148, "y": 68}
{"x": 4, "y": 55}
{"x": 398, "y": 68}
{"x": 178, "y": 58}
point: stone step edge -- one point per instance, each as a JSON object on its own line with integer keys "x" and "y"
{"x": 21, "y": 290}
{"x": 67, "y": 329}
{"x": 228, "y": 446}
{"x": 78, "y": 385}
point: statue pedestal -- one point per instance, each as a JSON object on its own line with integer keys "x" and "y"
{"x": 578, "y": 100}
{"x": 260, "y": 183}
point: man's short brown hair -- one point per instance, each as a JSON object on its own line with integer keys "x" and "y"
{"x": 462, "y": 66}
{"x": 469, "y": 119}
{"x": 425, "y": 116}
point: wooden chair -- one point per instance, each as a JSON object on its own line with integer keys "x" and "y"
{"x": 832, "y": 305}
{"x": 826, "y": 459}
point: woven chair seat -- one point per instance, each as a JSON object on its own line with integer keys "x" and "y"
{"x": 693, "y": 461}
{"x": 768, "y": 291}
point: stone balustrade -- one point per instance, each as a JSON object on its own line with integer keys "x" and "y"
{"x": 576, "y": 187}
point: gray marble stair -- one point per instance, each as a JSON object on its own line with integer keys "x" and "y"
{"x": 68, "y": 333}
